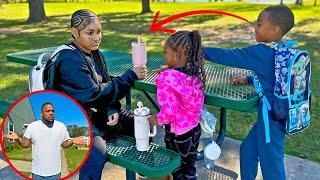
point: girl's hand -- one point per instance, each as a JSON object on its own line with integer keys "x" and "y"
{"x": 162, "y": 68}
{"x": 140, "y": 71}
{"x": 153, "y": 121}
{"x": 239, "y": 80}
{"x": 113, "y": 119}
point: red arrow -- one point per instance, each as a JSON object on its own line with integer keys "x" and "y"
{"x": 157, "y": 26}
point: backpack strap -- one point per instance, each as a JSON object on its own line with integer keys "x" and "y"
{"x": 59, "y": 49}
{"x": 39, "y": 61}
{"x": 265, "y": 106}
{"x": 287, "y": 43}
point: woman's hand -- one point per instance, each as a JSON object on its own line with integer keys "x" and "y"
{"x": 239, "y": 80}
{"x": 153, "y": 121}
{"x": 140, "y": 71}
{"x": 113, "y": 119}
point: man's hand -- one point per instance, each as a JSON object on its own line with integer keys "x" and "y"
{"x": 113, "y": 119}
{"x": 153, "y": 121}
{"x": 140, "y": 71}
{"x": 78, "y": 141}
{"x": 239, "y": 80}
{"x": 12, "y": 136}
{"x": 25, "y": 142}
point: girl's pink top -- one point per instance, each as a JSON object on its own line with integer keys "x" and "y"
{"x": 181, "y": 99}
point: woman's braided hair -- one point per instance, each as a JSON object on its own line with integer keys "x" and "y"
{"x": 80, "y": 20}
{"x": 190, "y": 43}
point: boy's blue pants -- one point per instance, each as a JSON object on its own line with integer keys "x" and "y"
{"x": 254, "y": 149}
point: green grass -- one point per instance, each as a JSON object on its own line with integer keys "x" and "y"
{"x": 28, "y": 174}
{"x": 122, "y": 23}
{"x": 20, "y": 154}
{"x": 74, "y": 157}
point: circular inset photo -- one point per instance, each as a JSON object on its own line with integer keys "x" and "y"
{"x": 46, "y": 134}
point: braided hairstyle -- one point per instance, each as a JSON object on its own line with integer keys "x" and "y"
{"x": 80, "y": 20}
{"x": 190, "y": 43}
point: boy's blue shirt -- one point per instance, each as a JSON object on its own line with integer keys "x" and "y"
{"x": 258, "y": 58}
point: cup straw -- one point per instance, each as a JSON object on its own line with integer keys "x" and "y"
{"x": 139, "y": 40}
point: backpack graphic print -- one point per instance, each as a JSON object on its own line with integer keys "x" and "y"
{"x": 292, "y": 87}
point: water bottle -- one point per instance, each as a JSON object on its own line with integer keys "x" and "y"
{"x": 211, "y": 152}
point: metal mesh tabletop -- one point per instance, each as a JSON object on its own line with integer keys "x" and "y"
{"x": 219, "y": 90}
{"x": 155, "y": 162}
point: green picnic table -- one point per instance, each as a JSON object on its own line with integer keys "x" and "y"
{"x": 219, "y": 90}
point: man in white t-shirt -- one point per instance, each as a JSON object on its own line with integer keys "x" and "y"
{"x": 46, "y": 136}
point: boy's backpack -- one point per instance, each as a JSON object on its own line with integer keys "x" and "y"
{"x": 292, "y": 86}
{"x": 292, "y": 89}
{"x": 42, "y": 75}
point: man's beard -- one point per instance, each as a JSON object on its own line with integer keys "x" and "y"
{"x": 48, "y": 123}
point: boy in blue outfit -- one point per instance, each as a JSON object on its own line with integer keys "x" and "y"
{"x": 272, "y": 24}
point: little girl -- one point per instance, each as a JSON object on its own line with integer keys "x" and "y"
{"x": 180, "y": 93}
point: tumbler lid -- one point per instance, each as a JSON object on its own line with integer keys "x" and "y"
{"x": 141, "y": 111}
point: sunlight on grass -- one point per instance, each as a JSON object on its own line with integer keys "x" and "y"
{"x": 74, "y": 157}
{"x": 20, "y": 154}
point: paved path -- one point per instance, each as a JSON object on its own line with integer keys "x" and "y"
{"x": 26, "y": 166}
{"x": 6, "y": 173}
{"x": 227, "y": 166}
{"x": 64, "y": 165}
{"x": 22, "y": 165}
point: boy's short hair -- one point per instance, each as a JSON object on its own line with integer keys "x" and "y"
{"x": 281, "y": 16}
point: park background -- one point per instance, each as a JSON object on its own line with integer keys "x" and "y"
{"x": 122, "y": 22}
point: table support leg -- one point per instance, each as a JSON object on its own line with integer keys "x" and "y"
{"x": 128, "y": 100}
{"x": 153, "y": 102}
{"x": 130, "y": 175}
{"x": 223, "y": 126}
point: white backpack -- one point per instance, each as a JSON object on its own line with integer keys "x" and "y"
{"x": 41, "y": 76}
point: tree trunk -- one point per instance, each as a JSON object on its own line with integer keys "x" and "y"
{"x": 281, "y": 2}
{"x": 299, "y": 2}
{"x": 36, "y": 11}
{"x": 315, "y": 3}
{"x": 145, "y": 7}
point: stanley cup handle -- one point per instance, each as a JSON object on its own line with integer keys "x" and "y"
{"x": 154, "y": 132}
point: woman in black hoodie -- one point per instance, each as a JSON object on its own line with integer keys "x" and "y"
{"x": 82, "y": 74}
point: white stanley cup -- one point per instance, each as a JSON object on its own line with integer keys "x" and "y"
{"x": 142, "y": 127}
